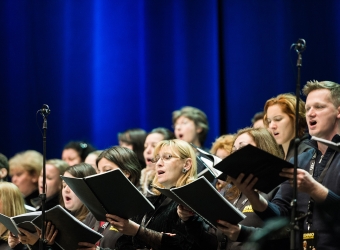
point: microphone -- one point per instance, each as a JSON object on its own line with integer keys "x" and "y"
{"x": 45, "y": 110}
{"x": 300, "y": 46}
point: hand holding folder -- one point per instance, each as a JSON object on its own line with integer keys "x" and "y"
{"x": 261, "y": 164}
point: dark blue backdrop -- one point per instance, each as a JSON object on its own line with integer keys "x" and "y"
{"x": 105, "y": 66}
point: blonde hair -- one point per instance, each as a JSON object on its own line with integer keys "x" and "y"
{"x": 30, "y": 160}
{"x": 12, "y": 204}
{"x": 333, "y": 87}
{"x": 183, "y": 150}
{"x": 59, "y": 164}
{"x": 223, "y": 142}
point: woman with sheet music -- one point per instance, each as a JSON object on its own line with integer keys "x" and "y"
{"x": 112, "y": 158}
{"x": 11, "y": 204}
{"x": 163, "y": 228}
{"x": 233, "y": 236}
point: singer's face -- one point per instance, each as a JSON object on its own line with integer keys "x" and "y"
{"x": 91, "y": 159}
{"x": 53, "y": 181}
{"x": 71, "y": 156}
{"x": 222, "y": 153}
{"x": 321, "y": 114}
{"x": 71, "y": 201}
{"x": 26, "y": 182}
{"x": 105, "y": 165}
{"x": 280, "y": 125}
{"x": 149, "y": 148}
{"x": 243, "y": 140}
{"x": 186, "y": 130}
{"x": 169, "y": 167}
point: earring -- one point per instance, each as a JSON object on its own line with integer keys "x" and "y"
{"x": 184, "y": 170}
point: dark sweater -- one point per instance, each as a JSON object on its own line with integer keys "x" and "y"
{"x": 191, "y": 235}
{"x": 32, "y": 195}
{"x": 326, "y": 218}
{"x": 303, "y": 146}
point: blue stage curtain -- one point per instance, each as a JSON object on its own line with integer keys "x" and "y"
{"x": 106, "y": 66}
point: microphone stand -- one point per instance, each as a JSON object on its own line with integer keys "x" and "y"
{"x": 296, "y": 222}
{"x": 45, "y": 111}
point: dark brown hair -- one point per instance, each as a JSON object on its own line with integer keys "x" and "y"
{"x": 125, "y": 159}
{"x": 80, "y": 170}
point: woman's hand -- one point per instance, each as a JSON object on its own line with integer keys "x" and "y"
{"x": 50, "y": 233}
{"x": 12, "y": 240}
{"x": 124, "y": 226}
{"x": 28, "y": 237}
{"x": 246, "y": 185}
{"x": 229, "y": 230}
{"x": 184, "y": 213}
{"x": 86, "y": 246}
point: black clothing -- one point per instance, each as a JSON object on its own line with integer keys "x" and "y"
{"x": 326, "y": 215}
{"x": 303, "y": 146}
{"x": 49, "y": 203}
{"x": 192, "y": 234}
{"x": 32, "y": 195}
{"x": 4, "y": 246}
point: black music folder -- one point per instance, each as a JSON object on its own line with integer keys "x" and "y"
{"x": 109, "y": 193}
{"x": 252, "y": 160}
{"x": 202, "y": 198}
{"x": 23, "y": 221}
{"x": 71, "y": 231}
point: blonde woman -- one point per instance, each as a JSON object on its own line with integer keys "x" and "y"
{"x": 168, "y": 226}
{"x": 24, "y": 169}
{"x": 11, "y": 204}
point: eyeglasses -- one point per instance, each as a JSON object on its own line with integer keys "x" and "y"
{"x": 164, "y": 157}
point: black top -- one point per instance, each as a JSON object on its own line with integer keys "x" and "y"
{"x": 303, "y": 146}
{"x": 32, "y": 195}
{"x": 49, "y": 203}
{"x": 192, "y": 234}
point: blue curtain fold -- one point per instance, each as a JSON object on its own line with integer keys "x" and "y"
{"x": 106, "y": 66}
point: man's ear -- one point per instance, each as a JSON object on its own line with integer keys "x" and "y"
{"x": 338, "y": 115}
{"x": 3, "y": 173}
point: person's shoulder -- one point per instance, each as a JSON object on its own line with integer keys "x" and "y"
{"x": 304, "y": 158}
{"x": 307, "y": 154}
{"x": 90, "y": 220}
{"x": 304, "y": 145}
